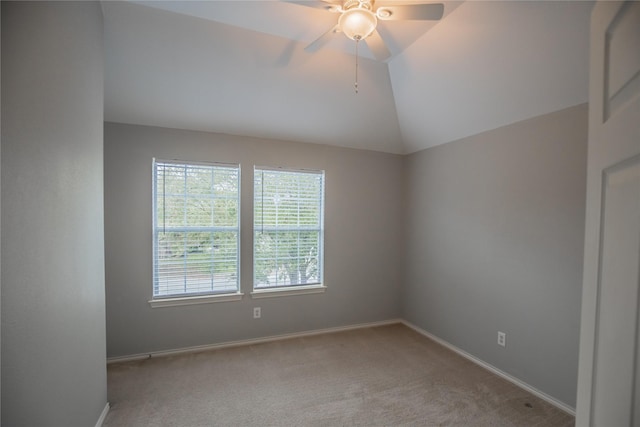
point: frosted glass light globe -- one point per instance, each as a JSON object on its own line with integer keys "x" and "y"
{"x": 358, "y": 23}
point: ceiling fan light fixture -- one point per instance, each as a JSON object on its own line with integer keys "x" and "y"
{"x": 357, "y": 23}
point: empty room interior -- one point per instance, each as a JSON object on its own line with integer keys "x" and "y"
{"x": 242, "y": 187}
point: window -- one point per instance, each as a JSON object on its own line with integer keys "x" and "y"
{"x": 195, "y": 229}
{"x": 288, "y": 229}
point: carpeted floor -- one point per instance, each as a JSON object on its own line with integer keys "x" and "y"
{"x": 382, "y": 376}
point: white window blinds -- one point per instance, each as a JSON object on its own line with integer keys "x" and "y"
{"x": 196, "y": 229}
{"x": 288, "y": 228}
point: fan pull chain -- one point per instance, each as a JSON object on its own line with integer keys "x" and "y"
{"x": 356, "y": 85}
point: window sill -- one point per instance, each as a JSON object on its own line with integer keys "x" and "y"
{"x": 200, "y": 299}
{"x": 288, "y": 291}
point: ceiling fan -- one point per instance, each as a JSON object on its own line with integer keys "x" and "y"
{"x": 359, "y": 18}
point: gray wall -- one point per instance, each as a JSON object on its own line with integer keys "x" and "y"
{"x": 0, "y": 211}
{"x": 362, "y": 240}
{"x": 53, "y": 317}
{"x": 495, "y": 230}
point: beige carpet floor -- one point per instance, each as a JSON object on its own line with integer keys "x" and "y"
{"x": 381, "y": 376}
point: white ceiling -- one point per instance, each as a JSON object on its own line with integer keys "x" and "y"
{"x": 239, "y": 67}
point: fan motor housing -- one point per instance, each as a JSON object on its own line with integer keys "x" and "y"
{"x": 359, "y": 4}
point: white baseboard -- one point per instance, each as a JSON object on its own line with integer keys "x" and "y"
{"x": 103, "y": 415}
{"x": 523, "y": 385}
{"x": 251, "y": 341}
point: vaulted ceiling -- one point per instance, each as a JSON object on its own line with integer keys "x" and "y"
{"x": 239, "y": 67}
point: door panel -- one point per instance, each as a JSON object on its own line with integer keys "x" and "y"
{"x": 617, "y": 323}
{"x": 622, "y": 58}
{"x": 609, "y": 368}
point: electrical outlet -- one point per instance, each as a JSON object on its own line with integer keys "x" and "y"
{"x": 502, "y": 339}
{"x": 256, "y": 312}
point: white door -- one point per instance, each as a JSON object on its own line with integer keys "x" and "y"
{"x": 609, "y": 370}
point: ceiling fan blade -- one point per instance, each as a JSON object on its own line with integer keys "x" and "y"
{"x": 377, "y": 46}
{"x": 330, "y": 5}
{"x": 315, "y": 45}
{"x": 416, "y": 12}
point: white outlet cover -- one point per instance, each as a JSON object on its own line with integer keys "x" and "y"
{"x": 502, "y": 339}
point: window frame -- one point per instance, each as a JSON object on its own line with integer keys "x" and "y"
{"x": 296, "y": 289}
{"x": 194, "y": 297}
